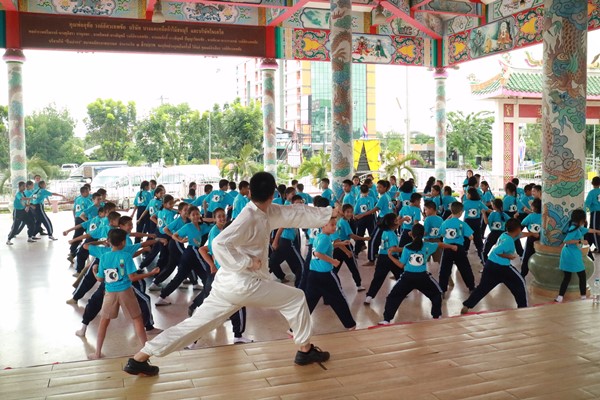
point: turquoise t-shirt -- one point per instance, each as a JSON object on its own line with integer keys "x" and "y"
{"x": 238, "y": 205}
{"x": 193, "y": 234}
{"x": 432, "y": 227}
{"x": 154, "y": 206}
{"x": 114, "y": 268}
{"x": 389, "y": 239}
{"x": 218, "y": 199}
{"x": 405, "y": 198}
{"x": 571, "y": 258}
{"x": 522, "y": 202}
{"x": 19, "y": 203}
{"x": 289, "y": 234}
{"x": 412, "y": 212}
{"x": 199, "y": 202}
{"x": 328, "y": 194}
{"x": 164, "y": 217}
{"x": 324, "y": 245}
{"x": 40, "y": 195}
{"x": 473, "y": 209}
{"x": 176, "y": 224}
{"x": 91, "y": 211}
{"x": 364, "y": 204}
{"x": 454, "y": 231}
{"x": 592, "y": 200}
{"x": 487, "y": 197}
{"x": 509, "y": 204}
{"x": 533, "y": 222}
{"x": 101, "y": 232}
{"x": 497, "y": 221}
{"x": 505, "y": 245}
{"x": 416, "y": 260}
{"x": 306, "y": 197}
{"x": 343, "y": 229}
{"x": 312, "y": 234}
{"x": 446, "y": 201}
{"x": 349, "y": 199}
{"x": 214, "y": 232}
{"x": 142, "y": 198}
{"x": 80, "y": 204}
{"x": 92, "y": 224}
{"x": 385, "y": 205}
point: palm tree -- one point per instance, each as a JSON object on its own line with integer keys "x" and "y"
{"x": 317, "y": 166}
{"x": 35, "y": 166}
{"x": 242, "y": 166}
{"x": 395, "y": 163}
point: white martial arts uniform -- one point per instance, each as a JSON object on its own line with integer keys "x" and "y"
{"x": 235, "y": 285}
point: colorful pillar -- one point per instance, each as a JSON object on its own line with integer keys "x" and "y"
{"x": 563, "y": 131}
{"x": 440, "y": 76}
{"x": 341, "y": 67}
{"x": 268, "y": 67}
{"x": 14, "y": 59}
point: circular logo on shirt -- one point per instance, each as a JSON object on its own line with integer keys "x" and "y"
{"x": 390, "y": 205}
{"x": 161, "y": 223}
{"x": 451, "y": 233}
{"x": 141, "y": 198}
{"x": 93, "y": 227}
{"x": 216, "y": 198}
{"x": 434, "y": 232}
{"x": 111, "y": 275}
{"x": 598, "y": 198}
{"x": 512, "y": 208}
{"x": 409, "y": 219}
{"x": 384, "y": 245}
{"x": 496, "y": 226}
{"x": 363, "y": 208}
{"x": 77, "y": 208}
{"x": 416, "y": 260}
{"x": 406, "y": 202}
{"x": 314, "y": 232}
{"x": 151, "y": 210}
{"x": 472, "y": 213}
{"x": 535, "y": 228}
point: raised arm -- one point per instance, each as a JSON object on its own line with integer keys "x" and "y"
{"x": 299, "y": 216}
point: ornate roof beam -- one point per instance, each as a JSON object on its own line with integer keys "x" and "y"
{"x": 410, "y": 20}
{"x": 288, "y": 12}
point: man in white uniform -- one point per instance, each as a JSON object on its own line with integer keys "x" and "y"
{"x": 244, "y": 280}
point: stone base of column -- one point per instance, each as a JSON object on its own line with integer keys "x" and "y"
{"x": 544, "y": 266}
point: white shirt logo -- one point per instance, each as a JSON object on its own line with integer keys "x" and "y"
{"x": 512, "y": 208}
{"x": 450, "y": 233}
{"x": 160, "y": 222}
{"x": 151, "y": 210}
{"x": 434, "y": 232}
{"x": 496, "y": 226}
{"x": 405, "y": 202}
{"x": 472, "y": 212}
{"x": 416, "y": 260}
{"x": 216, "y": 198}
{"x": 390, "y": 205}
{"x": 111, "y": 275}
{"x": 598, "y": 198}
{"x": 363, "y": 208}
{"x": 77, "y": 208}
{"x": 93, "y": 227}
{"x": 535, "y": 228}
{"x": 314, "y": 232}
{"x": 409, "y": 219}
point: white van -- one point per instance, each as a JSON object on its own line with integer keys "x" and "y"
{"x": 88, "y": 170}
{"x": 176, "y": 179}
{"x": 122, "y": 184}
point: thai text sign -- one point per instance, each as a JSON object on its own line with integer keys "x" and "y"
{"x": 111, "y": 34}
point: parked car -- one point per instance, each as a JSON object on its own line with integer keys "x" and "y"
{"x": 122, "y": 184}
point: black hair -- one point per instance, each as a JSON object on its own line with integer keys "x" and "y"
{"x": 297, "y": 197}
{"x": 294, "y": 182}
{"x": 430, "y": 204}
{"x": 388, "y": 221}
{"x": 485, "y": 183}
{"x": 368, "y": 181}
{"x": 320, "y": 201}
{"x": 158, "y": 190}
{"x": 429, "y": 184}
{"x": 232, "y": 185}
{"x": 116, "y": 236}
{"x": 418, "y": 231}
{"x": 262, "y": 186}
{"x": 528, "y": 187}
{"x": 499, "y": 205}
{"x": 192, "y": 193}
{"x": 407, "y": 187}
{"x": 348, "y": 182}
{"x": 94, "y": 195}
{"x": 166, "y": 199}
{"x": 515, "y": 181}
{"x": 513, "y": 224}
{"x": 181, "y": 205}
{"x": 153, "y": 181}
{"x": 244, "y": 185}
{"x": 100, "y": 209}
{"x": 383, "y": 183}
{"x": 473, "y": 194}
{"x": 108, "y": 206}
{"x": 125, "y": 219}
{"x": 577, "y": 216}
{"x": 447, "y": 191}
{"x": 223, "y": 183}
{"x": 596, "y": 181}
{"x": 472, "y": 181}
{"x": 510, "y": 187}
{"x": 29, "y": 183}
{"x": 536, "y": 205}
{"x": 439, "y": 190}
{"x": 144, "y": 185}
{"x": 192, "y": 209}
{"x": 326, "y": 180}
{"x": 415, "y": 197}
{"x": 346, "y": 207}
{"x": 456, "y": 207}
{"x": 87, "y": 185}
{"x": 191, "y": 184}
{"x": 113, "y": 215}
{"x": 83, "y": 189}
{"x": 364, "y": 188}
{"x": 299, "y": 186}
{"x": 102, "y": 192}
{"x": 219, "y": 209}
{"x": 289, "y": 190}
{"x": 208, "y": 188}
{"x": 281, "y": 189}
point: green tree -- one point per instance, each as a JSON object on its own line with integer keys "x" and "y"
{"x": 240, "y": 126}
{"x": 589, "y": 140}
{"x": 470, "y": 134}
{"x": 51, "y": 136}
{"x": 168, "y": 133}
{"x": 242, "y": 166}
{"x": 396, "y": 164}
{"x": 422, "y": 138}
{"x": 317, "y": 166}
{"x": 110, "y": 125}
{"x": 391, "y": 141}
{"x": 4, "y": 144}
{"x": 533, "y": 142}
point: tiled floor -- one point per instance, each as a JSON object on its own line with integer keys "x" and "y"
{"x": 38, "y": 327}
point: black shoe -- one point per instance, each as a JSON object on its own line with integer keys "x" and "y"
{"x": 42, "y": 233}
{"x": 314, "y": 355}
{"x": 191, "y": 310}
{"x": 140, "y": 368}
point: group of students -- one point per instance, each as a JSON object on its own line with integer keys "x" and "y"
{"x": 28, "y": 211}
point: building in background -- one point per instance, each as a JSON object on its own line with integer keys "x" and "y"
{"x": 304, "y": 99}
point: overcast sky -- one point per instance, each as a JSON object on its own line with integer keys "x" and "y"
{"x": 73, "y": 80}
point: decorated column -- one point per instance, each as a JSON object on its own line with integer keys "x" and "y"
{"x": 341, "y": 68}
{"x": 16, "y": 119}
{"x": 268, "y": 67}
{"x": 440, "y": 123}
{"x": 563, "y": 133}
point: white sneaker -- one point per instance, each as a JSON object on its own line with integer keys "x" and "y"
{"x": 384, "y": 322}
{"x": 360, "y": 288}
{"x": 9, "y": 243}
{"x": 30, "y": 240}
{"x": 242, "y": 339}
{"x": 52, "y": 238}
{"x": 583, "y": 297}
{"x": 81, "y": 332}
{"x": 197, "y": 286}
{"x": 558, "y": 299}
{"x": 154, "y": 287}
{"x": 368, "y": 300}
{"x": 162, "y": 302}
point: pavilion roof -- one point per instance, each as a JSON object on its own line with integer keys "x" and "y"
{"x": 525, "y": 83}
